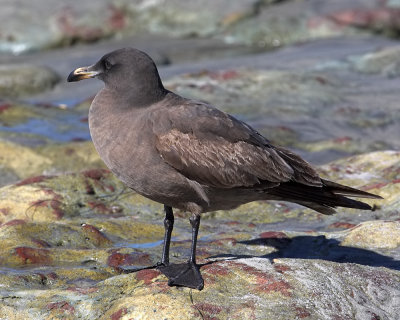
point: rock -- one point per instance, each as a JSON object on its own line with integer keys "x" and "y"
{"x": 307, "y": 98}
{"x": 55, "y": 23}
{"x": 61, "y": 23}
{"x": 263, "y": 24}
{"x": 287, "y": 289}
{"x": 20, "y": 162}
{"x": 381, "y": 18}
{"x": 188, "y": 18}
{"x": 69, "y": 239}
{"x": 44, "y": 139}
{"x": 279, "y": 102}
{"x": 374, "y": 234}
{"x": 19, "y": 80}
{"x": 385, "y": 61}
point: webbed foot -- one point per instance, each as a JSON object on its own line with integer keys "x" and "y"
{"x": 183, "y": 275}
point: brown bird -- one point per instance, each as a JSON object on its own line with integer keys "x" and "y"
{"x": 189, "y": 155}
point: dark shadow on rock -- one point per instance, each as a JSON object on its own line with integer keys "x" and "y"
{"x": 318, "y": 247}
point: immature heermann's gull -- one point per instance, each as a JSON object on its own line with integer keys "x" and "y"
{"x": 189, "y": 155}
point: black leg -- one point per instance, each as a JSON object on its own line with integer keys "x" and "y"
{"x": 168, "y": 225}
{"x": 185, "y": 274}
{"x": 195, "y": 222}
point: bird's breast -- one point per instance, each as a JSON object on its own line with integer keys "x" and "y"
{"x": 125, "y": 142}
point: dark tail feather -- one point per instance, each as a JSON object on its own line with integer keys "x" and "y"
{"x": 323, "y": 199}
{"x": 340, "y": 202}
{"x": 337, "y": 188}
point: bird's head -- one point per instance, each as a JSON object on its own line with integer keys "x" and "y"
{"x": 127, "y": 71}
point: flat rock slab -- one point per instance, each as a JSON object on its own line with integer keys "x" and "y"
{"x": 73, "y": 244}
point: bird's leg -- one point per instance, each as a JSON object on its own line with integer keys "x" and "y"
{"x": 186, "y": 274}
{"x": 168, "y": 225}
{"x": 195, "y": 223}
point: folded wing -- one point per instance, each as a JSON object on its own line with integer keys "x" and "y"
{"x": 218, "y": 150}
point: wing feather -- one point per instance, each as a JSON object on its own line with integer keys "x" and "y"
{"x": 215, "y": 149}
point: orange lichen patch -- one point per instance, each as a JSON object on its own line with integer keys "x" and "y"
{"x": 85, "y": 290}
{"x": 118, "y": 314}
{"x": 13, "y": 222}
{"x": 213, "y": 272}
{"x": 30, "y": 202}
{"x": 266, "y": 282}
{"x": 4, "y": 107}
{"x": 100, "y": 207}
{"x": 32, "y": 180}
{"x": 54, "y": 204}
{"x": 95, "y": 174}
{"x": 33, "y": 255}
{"x": 117, "y": 259}
{"x": 61, "y": 306}
{"x": 215, "y": 269}
{"x": 208, "y": 310}
{"x": 273, "y": 234}
{"x": 208, "y": 307}
{"x": 147, "y": 275}
{"x": 224, "y": 242}
{"x": 224, "y": 75}
{"x": 342, "y": 139}
{"x": 302, "y": 313}
{"x": 341, "y": 225}
{"x": 281, "y": 268}
{"x": 41, "y": 243}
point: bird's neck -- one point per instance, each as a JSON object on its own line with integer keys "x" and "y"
{"x": 139, "y": 96}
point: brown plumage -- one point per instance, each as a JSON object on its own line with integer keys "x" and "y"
{"x": 189, "y": 155}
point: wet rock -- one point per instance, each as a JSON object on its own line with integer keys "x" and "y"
{"x": 385, "y": 61}
{"x": 19, "y": 80}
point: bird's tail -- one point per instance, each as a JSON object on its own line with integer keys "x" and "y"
{"x": 324, "y": 199}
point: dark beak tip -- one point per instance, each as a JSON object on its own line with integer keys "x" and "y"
{"x": 72, "y": 77}
{"x": 81, "y": 73}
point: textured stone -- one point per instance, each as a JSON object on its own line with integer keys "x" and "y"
{"x": 19, "y": 80}
{"x": 385, "y": 61}
{"x": 375, "y": 234}
{"x": 262, "y": 24}
{"x": 68, "y": 239}
{"x": 20, "y": 162}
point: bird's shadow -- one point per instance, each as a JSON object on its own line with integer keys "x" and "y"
{"x": 317, "y": 247}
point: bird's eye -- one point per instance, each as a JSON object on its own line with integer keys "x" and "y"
{"x": 107, "y": 64}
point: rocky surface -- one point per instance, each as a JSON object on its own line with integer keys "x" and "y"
{"x": 259, "y": 23}
{"x": 17, "y": 80}
{"x": 68, "y": 240}
{"x": 325, "y": 99}
{"x": 74, "y": 238}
